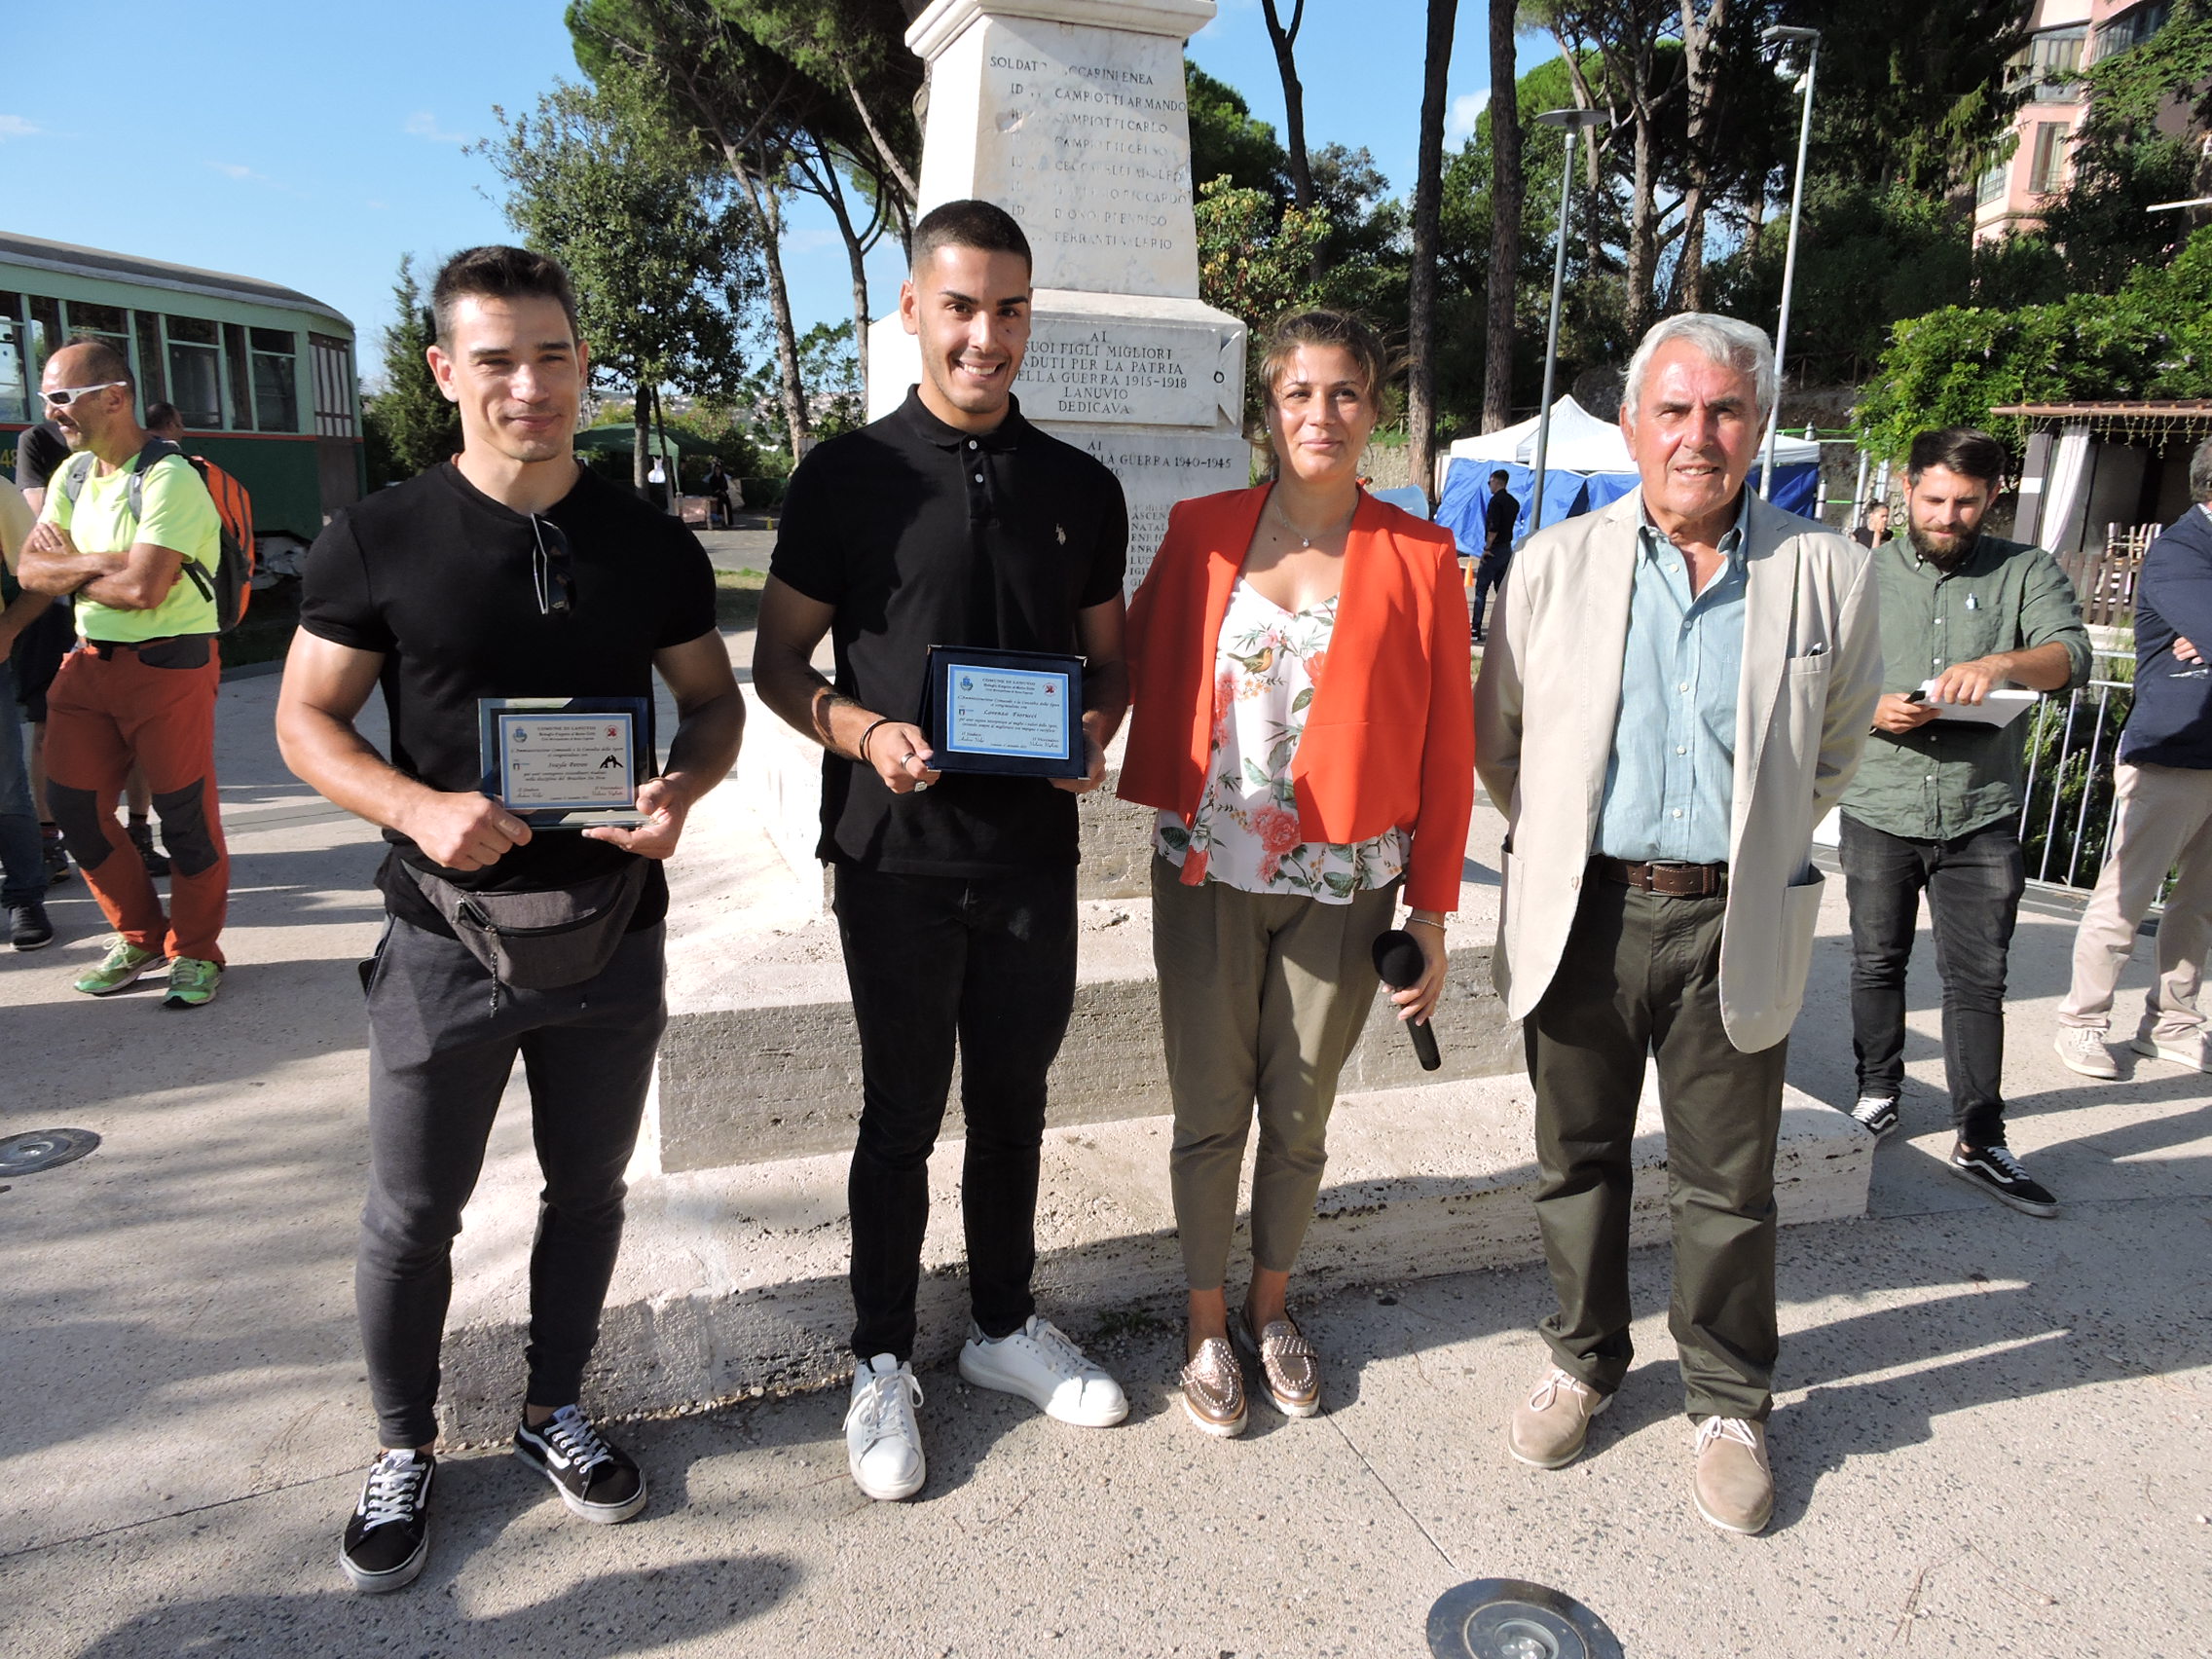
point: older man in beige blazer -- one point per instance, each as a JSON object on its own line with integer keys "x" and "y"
{"x": 1677, "y": 693}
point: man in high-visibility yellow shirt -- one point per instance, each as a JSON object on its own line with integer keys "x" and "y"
{"x": 141, "y": 686}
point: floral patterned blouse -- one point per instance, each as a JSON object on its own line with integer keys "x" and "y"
{"x": 1266, "y": 666}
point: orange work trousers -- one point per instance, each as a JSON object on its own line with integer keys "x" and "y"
{"x": 105, "y": 713}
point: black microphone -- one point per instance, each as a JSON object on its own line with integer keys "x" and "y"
{"x": 1399, "y": 959}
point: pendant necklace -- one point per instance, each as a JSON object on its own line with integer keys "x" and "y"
{"x": 1305, "y": 540}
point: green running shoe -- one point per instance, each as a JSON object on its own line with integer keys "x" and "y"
{"x": 193, "y": 983}
{"x": 120, "y": 967}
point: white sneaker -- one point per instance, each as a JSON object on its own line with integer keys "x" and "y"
{"x": 2186, "y": 1050}
{"x": 883, "y": 1440}
{"x": 1043, "y": 1366}
{"x": 2082, "y": 1049}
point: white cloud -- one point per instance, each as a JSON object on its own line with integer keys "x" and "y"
{"x": 15, "y": 126}
{"x": 232, "y": 169}
{"x": 424, "y": 124}
{"x": 1466, "y": 108}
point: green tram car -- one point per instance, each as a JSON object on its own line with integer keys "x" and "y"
{"x": 263, "y": 376}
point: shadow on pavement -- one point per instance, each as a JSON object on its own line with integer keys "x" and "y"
{"x": 610, "y": 1613}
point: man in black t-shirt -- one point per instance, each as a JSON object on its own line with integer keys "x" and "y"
{"x": 508, "y": 573}
{"x": 1500, "y": 515}
{"x": 951, "y": 522}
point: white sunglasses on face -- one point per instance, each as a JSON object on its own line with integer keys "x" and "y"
{"x": 61, "y": 397}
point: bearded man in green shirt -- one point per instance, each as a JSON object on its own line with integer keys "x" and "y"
{"x": 1936, "y": 805}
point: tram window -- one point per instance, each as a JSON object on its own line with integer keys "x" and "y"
{"x": 275, "y": 379}
{"x": 45, "y": 334}
{"x": 242, "y": 389}
{"x": 196, "y": 372}
{"x": 15, "y": 388}
{"x": 152, "y": 384}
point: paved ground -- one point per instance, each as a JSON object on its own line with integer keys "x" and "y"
{"x": 1991, "y": 1438}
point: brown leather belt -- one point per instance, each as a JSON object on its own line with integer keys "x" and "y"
{"x": 1667, "y": 880}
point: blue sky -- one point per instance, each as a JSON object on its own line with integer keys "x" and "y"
{"x": 314, "y": 145}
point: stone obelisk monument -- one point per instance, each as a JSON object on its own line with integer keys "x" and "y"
{"x": 1070, "y": 115}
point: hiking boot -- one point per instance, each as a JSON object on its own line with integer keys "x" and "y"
{"x": 596, "y": 1478}
{"x": 193, "y": 983}
{"x": 1733, "y": 1486}
{"x": 2082, "y": 1049}
{"x": 883, "y": 1440}
{"x": 1043, "y": 1366}
{"x": 57, "y": 860}
{"x": 389, "y": 1537}
{"x": 1551, "y": 1426}
{"x": 1997, "y": 1173}
{"x": 117, "y": 969}
{"x": 2189, "y": 1049}
{"x": 142, "y": 836}
{"x": 27, "y": 927}
{"x": 1876, "y": 1113}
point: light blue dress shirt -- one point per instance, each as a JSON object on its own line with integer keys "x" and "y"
{"x": 1670, "y": 786}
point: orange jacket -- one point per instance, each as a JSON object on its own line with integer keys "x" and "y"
{"x": 1390, "y": 739}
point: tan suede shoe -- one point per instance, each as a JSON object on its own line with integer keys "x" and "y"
{"x": 1550, "y": 1428}
{"x": 1734, "y": 1488}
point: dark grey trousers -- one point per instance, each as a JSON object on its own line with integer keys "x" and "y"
{"x": 1641, "y": 976}
{"x": 441, "y": 1047}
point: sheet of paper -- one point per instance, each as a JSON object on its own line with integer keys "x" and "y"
{"x": 1999, "y": 707}
{"x": 1006, "y": 711}
{"x": 566, "y": 761}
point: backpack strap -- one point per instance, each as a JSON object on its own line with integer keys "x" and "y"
{"x": 74, "y": 474}
{"x": 157, "y": 451}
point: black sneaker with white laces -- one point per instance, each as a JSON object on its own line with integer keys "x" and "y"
{"x": 389, "y": 1537}
{"x": 1997, "y": 1173}
{"x": 1876, "y": 1113}
{"x": 596, "y": 1480}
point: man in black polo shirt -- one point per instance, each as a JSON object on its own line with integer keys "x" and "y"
{"x": 951, "y": 522}
{"x": 507, "y": 573}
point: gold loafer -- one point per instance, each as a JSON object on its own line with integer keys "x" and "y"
{"x": 1289, "y": 1364}
{"x": 1213, "y": 1390}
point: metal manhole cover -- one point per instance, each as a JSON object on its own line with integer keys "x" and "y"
{"x": 43, "y": 1149}
{"x": 1509, "y": 1618}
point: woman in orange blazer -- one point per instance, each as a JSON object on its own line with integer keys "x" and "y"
{"x": 1303, "y": 723}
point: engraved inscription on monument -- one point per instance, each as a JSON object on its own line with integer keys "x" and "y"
{"x": 1154, "y": 376}
{"x": 1088, "y": 140}
{"x": 1158, "y": 470}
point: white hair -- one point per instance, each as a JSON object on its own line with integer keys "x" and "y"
{"x": 1723, "y": 339}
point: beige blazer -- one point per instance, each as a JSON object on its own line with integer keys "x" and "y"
{"x": 1547, "y": 700}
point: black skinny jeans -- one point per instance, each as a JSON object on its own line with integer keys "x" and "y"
{"x": 440, "y": 1050}
{"x": 932, "y": 960}
{"x": 1973, "y": 884}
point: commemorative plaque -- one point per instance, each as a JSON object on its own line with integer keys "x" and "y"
{"x": 563, "y": 762}
{"x": 1011, "y": 713}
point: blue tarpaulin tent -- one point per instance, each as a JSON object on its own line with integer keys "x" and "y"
{"x": 1587, "y": 467}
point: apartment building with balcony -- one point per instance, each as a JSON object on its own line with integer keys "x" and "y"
{"x": 2067, "y": 37}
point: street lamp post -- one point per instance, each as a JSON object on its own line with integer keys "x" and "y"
{"x": 1774, "y": 35}
{"x": 1573, "y": 121}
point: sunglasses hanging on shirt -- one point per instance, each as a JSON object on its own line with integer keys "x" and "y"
{"x": 550, "y": 569}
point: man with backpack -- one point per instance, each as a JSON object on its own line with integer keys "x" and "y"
{"x": 128, "y": 529}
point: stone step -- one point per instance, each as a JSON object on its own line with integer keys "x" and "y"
{"x": 760, "y": 1061}
{"x": 732, "y": 1280}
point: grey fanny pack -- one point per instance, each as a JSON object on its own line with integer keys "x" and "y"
{"x": 541, "y": 941}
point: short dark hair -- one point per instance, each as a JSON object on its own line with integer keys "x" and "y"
{"x": 497, "y": 271}
{"x": 1336, "y": 328}
{"x": 104, "y": 362}
{"x": 2200, "y": 472}
{"x": 160, "y": 415}
{"x": 1963, "y": 450}
{"x": 1501, "y": 474}
{"x": 969, "y": 223}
